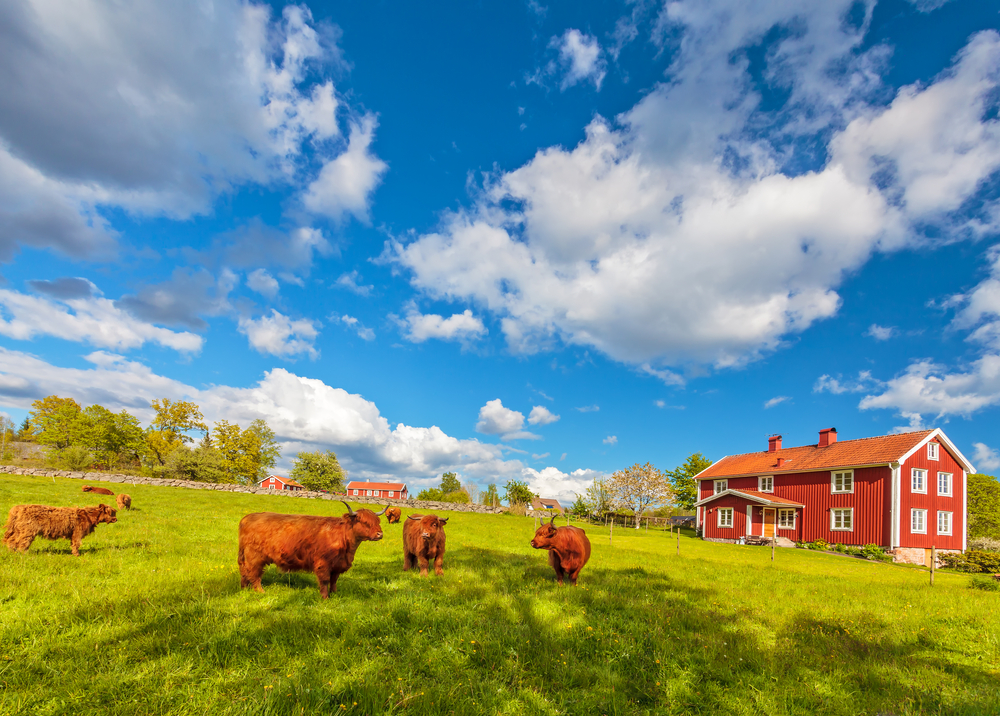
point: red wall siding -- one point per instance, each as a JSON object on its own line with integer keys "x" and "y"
{"x": 932, "y": 502}
{"x": 709, "y": 514}
{"x": 735, "y": 483}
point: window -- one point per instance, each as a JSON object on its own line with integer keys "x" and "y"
{"x": 944, "y": 523}
{"x": 918, "y": 521}
{"x": 369, "y": 493}
{"x": 786, "y": 519}
{"x": 944, "y": 483}
{"x": 842, "y": 481}
{"x": 355, "y": 493}
{"x": 390, "y": 493}
{"x": 918, "y": 481}
{"x": 725, "y": 517}
{"x": 932, "y": 451}
{"x": 721, "y": 486}
{"x": 765, "y": 484}
{"x": 842, "y": 519}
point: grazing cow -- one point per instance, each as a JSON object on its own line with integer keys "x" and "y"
{"x": 98, "y": 490}
{"x": 392, "y": 515}
{"x": 423, "y": 541}
{"x": 324, "y": 546}
{"x": 124, "y": 501}
{"x": 25, "y": 522}
{"x": 569, "y": 549}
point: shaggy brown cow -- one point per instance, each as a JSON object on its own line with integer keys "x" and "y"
{"x": 392, "y": 515}
{"x": 124, "y": 501}
{"x": 304, "y": 543}
{"x": 569, "y": 549}
{"x": 97, "y": 490}
{"x": 25, "y": 522}
{"x": 423, "y": 541}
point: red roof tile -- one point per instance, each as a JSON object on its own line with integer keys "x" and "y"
{"x": 864, "y": 451}
{"x": 762, "y": 496}
{"x": 395, "y": 486}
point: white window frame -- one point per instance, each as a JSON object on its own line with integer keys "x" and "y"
{"x": 390, "y": 493}
{"x": 719, "y": 520}
{"x": 715, "y": 486}
{"x": 760, "y": 483}
{"x": 355, "y": 493}
{"x": 933, "y": 449}
{"x": 948, "y": 489}
{"x": 833, "y": 519}
{"x": 785, "y": 510}
{"x": 914, "y": 472}
{"x": 833, "y": 482}
{"x": 923, "y": 518}
{"x": 949, "y": 517}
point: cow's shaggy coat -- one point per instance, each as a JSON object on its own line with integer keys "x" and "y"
{"x": 97, "y": 490}
{"x": 324, "y": 546}
{"x": 124, "y": 501}
{"x": 423, "y": 542}
{"x": 393, "y": 514}
{"x": 25, "y": 522}
{"x": 569, "y": 549}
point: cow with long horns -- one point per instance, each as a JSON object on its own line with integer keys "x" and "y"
{"x": 423, "y": 542}
{"x": 324, "y": 546}
{"x": 569, "y": 549}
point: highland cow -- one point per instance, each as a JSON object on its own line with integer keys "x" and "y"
{"x": 124, "y": 501}
{"x": 392, "y": 515}
{"x": 423, "y": 542}
{"x": 98, "y": 490}
{"x": 324, "y": 546}
{"x": 26, "y": 522}
{"x": 569, "y": 549}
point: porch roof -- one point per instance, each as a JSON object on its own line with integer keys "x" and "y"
{"x": 761, "y": 498}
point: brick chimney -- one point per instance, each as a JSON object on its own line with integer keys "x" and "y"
{"x": 781, "y": 462}
{"x": 827, "y": 437}
{"x": 774, "y": 443}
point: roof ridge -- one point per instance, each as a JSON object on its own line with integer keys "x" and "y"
{"x": 839, "y": 442}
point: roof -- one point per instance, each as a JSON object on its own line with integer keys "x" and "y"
{"x": 880, "y": 450}
{"x": 544, "y": 503}
{"x": 395, "y": 486}
{"x": 763, "y": 498}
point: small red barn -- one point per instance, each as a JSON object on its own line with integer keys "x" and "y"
{"x": 391, "y": 490}
{"x": 276, "y": 482}
{"x": 905, "y": 492}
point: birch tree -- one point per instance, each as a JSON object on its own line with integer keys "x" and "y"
{"x": 638, "y": 487}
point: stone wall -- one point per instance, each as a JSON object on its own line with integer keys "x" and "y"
{"x": 301, "y": 494}
{"x": 917, "y": 555}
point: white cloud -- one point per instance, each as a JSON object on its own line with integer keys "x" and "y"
{"x": 535, "y": 456}
{"x": 611, "y": 440}
{"x": 365, "y": 334}
{"x": 986, "y": 457}
{"x": 183, "y": 298}
{"x": 540, "y": 415}
{"x": 551, "y": 482}
{"x": 925, "y": 387}
{"x": 580, "y": 59}
{"x": 562, "y": 457}
{"x": 778, "y": 400}
{"x": 350, "y": 282}
{"x": 495, "y": 419}
{"x": 645, "y": 242}
{"x": 279, "y": 335}
{"x": 420, "y": 327}
{"x": 93, "y": 319}
{"x": 588, "y": 408}
{"x": 263, "y": 283}
{"x": 865, "y": 381}
{"x": 881, "y": 333}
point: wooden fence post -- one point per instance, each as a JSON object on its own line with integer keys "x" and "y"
{"x": 772, "y": 548}
{"x": 611, "y": 533}
{"x": 678, "y": 541}
{"x": 933, "y": 562}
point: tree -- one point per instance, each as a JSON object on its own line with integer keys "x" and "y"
{"x": 682, "y": 480}
{"x": 579, "y": 507}
{"x": 26, "y": 433}
{"x": 518, "y": 493}
{"x": 115, "y": 438}
{"x": 7, "y": 435}
{"x": 246, "y": 454}
{"x": 202, "y": 464}
{"x": 984, "y": 506}
{"x": 58, "y": 422}
{"x": 598, "y": 498}
{"x": 268, "y": 449}
{"x": 431, "y": 494}
{"x": 169, "y": 429}
{"x": 319, "y": 471}
{"x": 472, "y": 490}
{"x": 458, "y": 496}
{"x": 491, "y": 498}
{"x": 639, "y": 487}
{"x": 450, "y": 483}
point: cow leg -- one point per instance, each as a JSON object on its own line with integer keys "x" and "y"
{"x": 333, "y": 581}
{"x": 439, "y": 565}
{"x": 409, "y": 560}
{"x": 556, "y": 564}
{"x": 251, "y": 570}
{"x": 74, "y": 542}
{"x": 323, "y": 577}
{"x": 422, "y": 560}
{"x": 573, "y": 575}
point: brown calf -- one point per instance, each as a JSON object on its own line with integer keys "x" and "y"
{"x": 423, "y": 541}
{"x": 25, "y": 522}
{"x": 569, "y": 549}
{"x": 97, "y": 490}
{"x": 124, "y": 501}
{"x": 324, "y": 546}
{"x": 392, "y": 515}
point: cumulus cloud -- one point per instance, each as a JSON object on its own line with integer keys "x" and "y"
{"x": 350, "y": 282}
{"x": 611, "y": 440}
{"x": 89, "y": 319}
{"x": 881, "y": 333}
{"x": 263, "y": 283}
{"x": 495, "y": 419}
{"x": 579, "y": 59}
{"x": 986, "y": 457}
{"x": 677, "y": 236}
{"x": 540, "y": 415}
{"x": 837, "y": 386}
{"x": 926, "y": 387}
{"x": 181, "y": 300}
{"x": 419, "y": 327}
{"x": 551, "y": 482}
{"x": 345, "y": 182}
{"x": 778, "y": 400}
{"x": 66, "y": 287}
{"x": 278, "y": 335}
{"x": 365, "y": 334}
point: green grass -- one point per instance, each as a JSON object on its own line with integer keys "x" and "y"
{"x": 150, "y": 619}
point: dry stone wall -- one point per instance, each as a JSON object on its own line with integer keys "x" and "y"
{"x": 191, "y": 485}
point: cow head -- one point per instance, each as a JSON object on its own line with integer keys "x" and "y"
{"x": 365, "y": 523}
{"x": 430, "y": 525}
{"x": 106, "y": 514}
{"x": 544, "y": 535}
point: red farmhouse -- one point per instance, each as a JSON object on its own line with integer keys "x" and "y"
{"x": 391, "y": 490}
{"x": 275, "y": 482}
{"x": 905, "y": 492}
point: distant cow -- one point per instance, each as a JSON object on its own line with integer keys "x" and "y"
{"x": 97, "y": 490}
{"x": 25, "y": 522}
{"x": 392, "y": 515}
{"x": 324, "y": 546}
{"x": 423, "y": 542}
{"x": 569, "y": 549}
{"x": 124, "y": 501}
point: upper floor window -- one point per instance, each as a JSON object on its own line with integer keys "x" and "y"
{"x": 721, "y": 486}
{"x": 918, "y": 481}
{"x": 842, "y": 519}
{"x": 765, "y": 484}
{"x": 944, "y": 523}
{"x": 725, "y": 517}
{"x": 932, "y": 451}
{"x": 944, "y": 483}
{"x": 842, "y": 481}
{"x": 918, "y": 521}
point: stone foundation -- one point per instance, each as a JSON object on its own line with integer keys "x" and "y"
{"x": 918, "y": 555}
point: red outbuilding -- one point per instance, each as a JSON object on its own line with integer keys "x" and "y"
{"x": 391, "y": 490}
{"x": 276, "y": 482}
{"x": 904, "y": 492}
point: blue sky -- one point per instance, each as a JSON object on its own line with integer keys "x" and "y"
{"x": 532, "y": 241}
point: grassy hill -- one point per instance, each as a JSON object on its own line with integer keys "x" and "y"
{"x": 150, "y": 619}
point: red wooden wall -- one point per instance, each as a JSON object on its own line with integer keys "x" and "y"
{"x": 932, "y": 502}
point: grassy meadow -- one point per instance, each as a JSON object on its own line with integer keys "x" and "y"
{"x": 150, "y": 620}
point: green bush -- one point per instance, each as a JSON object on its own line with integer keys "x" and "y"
{"x": 820, "y": 544}
{"x": 987, "y": 584}
{"x": 985, "y": 544}
{"x": 431, "y": 494}
{"x": 957, "y": 561}
{"x": 876, "y": 553}
{"x": 974, "y": 561}
{"x": 76, "y": 458}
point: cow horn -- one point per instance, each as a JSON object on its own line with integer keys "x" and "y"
{"x": 554, "y": 515}
{"x": 443, "y": 519}
{"x": 379, "y": 514}
{"x": 348, "y": 507}
{"x": 413, "y": 517}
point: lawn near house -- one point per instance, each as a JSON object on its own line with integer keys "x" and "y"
{"x": 150, "y": 619}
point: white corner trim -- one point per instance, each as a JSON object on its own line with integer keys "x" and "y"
{"x": 749, "y": 525}
{"x": 894, "y": 508}
{"x": 965, "y": 510}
